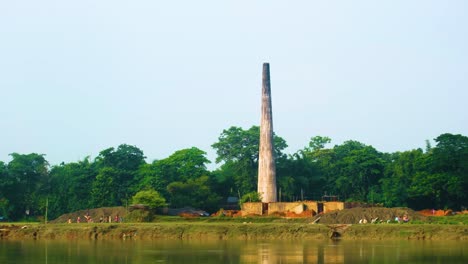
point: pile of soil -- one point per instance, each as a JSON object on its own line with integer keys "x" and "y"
{"x": 95, "y": 214}
{"x": 187, "y": 212}
{"x": 429, "y": 212}
{"x": 354, "y": 215}
{"x": 228, "y": 213}
{"x": 306, "y": 213}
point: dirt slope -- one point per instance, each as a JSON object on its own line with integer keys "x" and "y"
{"x": 95, "y": 214}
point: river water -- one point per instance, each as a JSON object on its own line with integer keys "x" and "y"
{"x": 142, "y": 252}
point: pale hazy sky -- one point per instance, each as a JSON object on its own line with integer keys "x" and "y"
{"x": 77, "y": 77}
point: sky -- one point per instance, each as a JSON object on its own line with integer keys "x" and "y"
{"x": 78, "y": 77}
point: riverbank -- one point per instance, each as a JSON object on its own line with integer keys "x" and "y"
{"x": 195, "y": 230}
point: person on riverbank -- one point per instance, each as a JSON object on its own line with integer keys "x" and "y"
{"x": 405, "y": 219}
{"x": 78, "y": 220}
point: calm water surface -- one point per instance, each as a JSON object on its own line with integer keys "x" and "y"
{"x": 48, "y": 252}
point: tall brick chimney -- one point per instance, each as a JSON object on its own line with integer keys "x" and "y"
{"x": 266, "y": 159}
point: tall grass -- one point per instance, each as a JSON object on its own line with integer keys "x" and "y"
{"x": 459, "y": 219}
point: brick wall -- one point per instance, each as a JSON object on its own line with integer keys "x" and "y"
{"x": 332, "y": 206}
{"x": 252, "y": 208}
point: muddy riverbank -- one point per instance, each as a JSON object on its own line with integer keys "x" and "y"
{"x": 226, "y": 230}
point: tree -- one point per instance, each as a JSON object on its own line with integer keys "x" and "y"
{"x": 451, "y": 154}
{"x": 195, "y": 193}
{"x": 28, "y": 180}
{"x": 310, "y": 168}
{"x": 181, "y": 166}
{"x": 151, "y": 176}
{"x": 125, "y": 158}
{"x": 317, "y": 143}
{"x": 297, "y": 178}
{"x": 71, "y": 187}
{"x": 443, "y": 182}
{"x": 5, "y": 182}
{"x": 399, "y": 173}
{"x": 103, "y": 190}
{"x": 4, "y": 208}
{"x": 239, "y": 150}
{"x": 236, "y": 144}
{"x": 124, "y": 162}
{"x": 430, "y": 190}
{"x": 434, "y": 179}
{"x": 239, "y": 176}
{"x": 186, "y": 164}
{"x": 150, "y": 198}
{"x": 357, "y": 169}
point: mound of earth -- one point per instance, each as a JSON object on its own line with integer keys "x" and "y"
{"x": 429, "y": 212}
{"x": 187, "y": 212}
{"x": 353, "y": 215}
{"x": 95, "y": 214}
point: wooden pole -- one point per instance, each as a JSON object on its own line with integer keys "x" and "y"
{"x": 46, "y": 209}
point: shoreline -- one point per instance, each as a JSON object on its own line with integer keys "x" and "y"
{"x": 231, "y": 231}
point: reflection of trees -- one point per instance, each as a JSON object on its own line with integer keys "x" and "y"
{"x": 321, "y": 252}
{"x": 215, "y": 251}
{"x": 292, "y": 252}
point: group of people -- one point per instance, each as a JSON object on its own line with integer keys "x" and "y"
{"x": 102, "y": 219}
{"x": 404, "y": 219}
{"x": 373, "y": 220}
{"x": 376, "y": 220}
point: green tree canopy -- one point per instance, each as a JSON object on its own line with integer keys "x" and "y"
{"x": 125, "y": 158}
{"x": 442, "y": 181}
{"x": 181, "y": 166}
{"x": 239, "y": 150}
{"x": 196, "y": 193}
{"x": 356, "y": 170}
{"x": 28, "y": 180}
{"x": 236, "y": 144}
{"x": 317, "y": 143}
{"x": 72, "y": 187}
{"x": 304, "y": 174}
{"x": 401, "y": 168}
{"x": 124, "y": 163}
{"x": 104, "y": 190}
{"x": 5, "y": 182}
{"x": 432, "y": 178}
{"x": 150, "y": 198}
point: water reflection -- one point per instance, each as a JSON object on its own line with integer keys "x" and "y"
{"x": 292, "y": 252}
{"x": 20, "y": 252}
{"x": 356, "y": 252}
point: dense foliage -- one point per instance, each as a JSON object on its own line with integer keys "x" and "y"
{"x": 436, "y": 177}
{"x": 150, "y": 198}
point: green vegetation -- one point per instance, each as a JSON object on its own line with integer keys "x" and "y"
{"x": 251, "y": 197}
{"x": 435, "y": 177}
{"x": 451, "y": 220}
{"x": 150, "y": 198}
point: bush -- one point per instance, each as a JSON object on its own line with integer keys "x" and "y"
{"x": 461, "y": 219}
{"x": 251, "y": 197}
{"x": 140, "y": 216}
{"x": 150, "y": 198}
